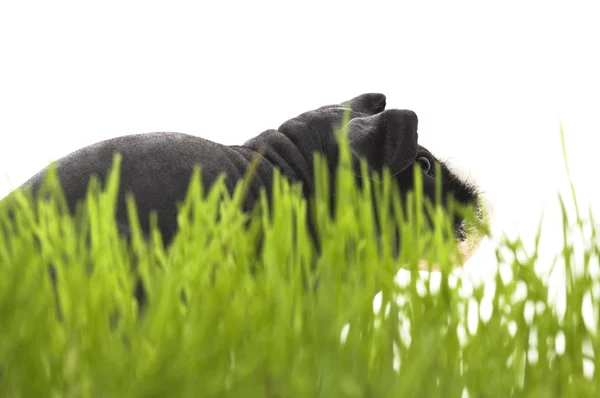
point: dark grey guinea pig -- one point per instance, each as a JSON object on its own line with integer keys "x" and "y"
{"x": 157, "y": 167}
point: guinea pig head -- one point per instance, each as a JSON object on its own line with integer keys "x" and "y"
{"x": 389, "y": 140}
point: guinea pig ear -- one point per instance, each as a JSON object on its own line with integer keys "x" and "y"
{"x": 387, "y": 139}
{"x": 368, "y": 104}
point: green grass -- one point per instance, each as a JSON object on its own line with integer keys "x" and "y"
{"x": 251, "y": 328}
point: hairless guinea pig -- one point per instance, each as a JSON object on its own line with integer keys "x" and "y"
{"x": 157, "y": 167}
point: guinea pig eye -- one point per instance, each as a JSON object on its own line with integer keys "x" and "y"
{"x": 424, "y": 163}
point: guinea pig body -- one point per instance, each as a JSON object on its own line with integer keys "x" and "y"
{"x": 157, "y": 167}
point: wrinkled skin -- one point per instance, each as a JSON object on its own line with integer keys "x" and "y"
{"x": 157, "y": 167}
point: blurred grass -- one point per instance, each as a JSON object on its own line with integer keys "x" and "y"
{"x": 250, "y": 327}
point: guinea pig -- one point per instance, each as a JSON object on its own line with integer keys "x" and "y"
{"x": 157, "y": 167}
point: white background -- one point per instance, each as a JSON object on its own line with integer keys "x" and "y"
{"x": 490, "y": 82}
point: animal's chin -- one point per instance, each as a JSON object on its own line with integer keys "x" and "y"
{"x": 469, "y": 235}
{"x": 460, "y": 234}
